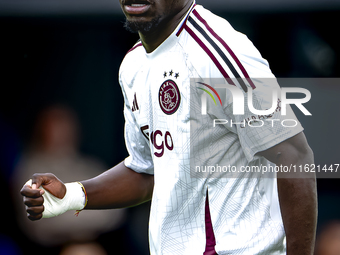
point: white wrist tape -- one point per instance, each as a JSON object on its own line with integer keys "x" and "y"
{"x": 74, "y": 199}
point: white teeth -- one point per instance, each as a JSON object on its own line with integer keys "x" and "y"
{"x": 137, "y": 5}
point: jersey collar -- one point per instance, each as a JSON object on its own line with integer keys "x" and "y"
{"x": 173, "y": 38}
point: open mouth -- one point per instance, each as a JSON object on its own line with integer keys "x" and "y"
{"x": 136, "y": 7}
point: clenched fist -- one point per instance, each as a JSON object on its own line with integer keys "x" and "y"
{"x": 46, "y": 196}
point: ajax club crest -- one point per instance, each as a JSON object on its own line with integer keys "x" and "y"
{"x": 169, "y": 97}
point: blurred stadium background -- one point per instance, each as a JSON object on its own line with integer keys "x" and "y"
{"x": 67, "y": 53}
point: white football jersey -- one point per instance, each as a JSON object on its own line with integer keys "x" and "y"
{"x": 193, "y": 214}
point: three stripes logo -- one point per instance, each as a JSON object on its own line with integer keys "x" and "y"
{"x": 209, "y": 93}
{"x": 134, "y": 104}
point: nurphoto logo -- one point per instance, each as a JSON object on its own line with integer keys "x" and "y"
{"x": 249, "y": 103}
{"x": 238, "y": 99}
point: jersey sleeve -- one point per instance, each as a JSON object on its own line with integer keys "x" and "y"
{"x": 258, "y": 132}
{"x": 139, "y": 159}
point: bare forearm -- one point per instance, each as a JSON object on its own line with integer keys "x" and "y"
{"x": 297, "y": 194}
{"x": 118, "y": 187}
{"x": 298, "y": 202}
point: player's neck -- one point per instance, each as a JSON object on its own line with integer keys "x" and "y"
{"x": 156, "y": 37}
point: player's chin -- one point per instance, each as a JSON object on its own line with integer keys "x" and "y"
{"x": 141, "y": 24}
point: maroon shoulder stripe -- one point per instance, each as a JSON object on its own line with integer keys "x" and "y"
{"x": 213, "y": 58}
{"x": 134, "y": 47}
{"x": 225, "y": 45}
{"x": 184, "y": 23}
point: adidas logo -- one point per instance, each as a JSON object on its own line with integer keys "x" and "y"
{"x": 134, "y": 104}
